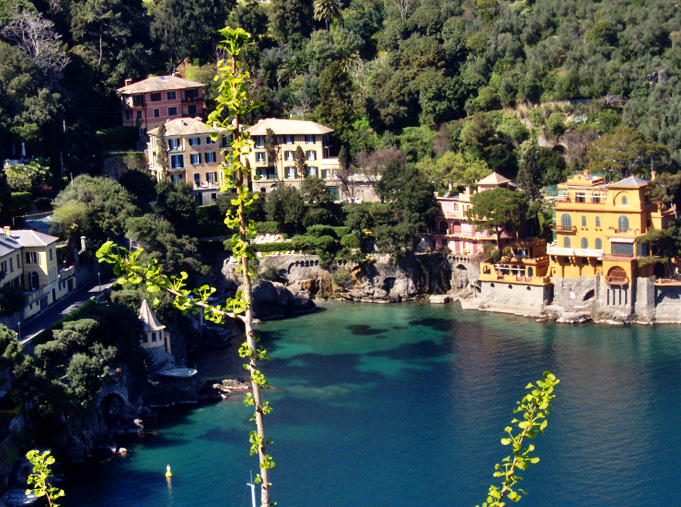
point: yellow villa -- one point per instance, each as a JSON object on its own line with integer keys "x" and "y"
{"x": 28, "y": 260}
{"x": 597, "y": 225}
{"x": 193, "y": 157}
{"x": 310, "y": 136}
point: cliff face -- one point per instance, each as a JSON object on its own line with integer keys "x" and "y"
{"x": 381, "y": 279}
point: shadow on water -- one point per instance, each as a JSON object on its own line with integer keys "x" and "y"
{"x": 364, "y": 330}
{"x": 434, "y": 323}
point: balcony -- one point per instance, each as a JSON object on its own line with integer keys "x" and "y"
{"x": 567, "y": 229}
{"x": 617, "y": 280}
{"x": 574, "y": 252}
{"x": 514, "y": 279}
{"x": 206, "y": 185}
{"x": 196, "y": 98}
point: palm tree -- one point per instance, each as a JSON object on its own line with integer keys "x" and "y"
{"x": 326, "y": 9}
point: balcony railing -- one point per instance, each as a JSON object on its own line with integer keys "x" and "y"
{"x": 617, "y": 280}
{"x": 572, "y": 252}
{"x": 206, "y": 185}
{"x": 570, "y": 229}
{"x": 192, "y": 99}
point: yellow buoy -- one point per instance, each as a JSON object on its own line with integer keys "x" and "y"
{"x": 168, "y": 472}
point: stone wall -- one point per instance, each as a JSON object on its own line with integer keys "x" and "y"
{"x": 667, "y": 304}
{"x": 574, "y": 295}
{"x": 528, "y": 300}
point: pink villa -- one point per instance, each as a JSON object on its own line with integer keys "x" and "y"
{"x": 153, "y": 101}
{"x": 454, "y": 231}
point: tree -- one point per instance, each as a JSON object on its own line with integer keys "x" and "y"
{"x": 141, "y": 185}
{"x": 336, "y": 104}
{"x": 666, "y": 189}
{"x": 291, "y": 20}
{"x": 410, "y": 195}
{"x": 162, "y": 152}
{"x": 374, "y": 163}
{"x": 96, "y": 208}
{"x": 37, "y": 38}
{"x": 326, "y": 10}
{"x": 301, "y": 164}
{"x": 624, "y": 152}
{"x": 496, "y": 210}
{"x": 285, "y": 206}
{"x": 177, "y": 204}
{"x": 271, "y": 147}
{"x": 453, "y": 170}
{"x": 345, "y": 172}
{"x": 529, "y": 175}
{"x": 84, "y": 374}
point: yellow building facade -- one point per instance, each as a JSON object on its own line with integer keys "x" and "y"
{"x": 596, "y": 226}
{"x": 193, "y": 156}
{"x": 28, "y": 260}
{"x": 310, "y": 137}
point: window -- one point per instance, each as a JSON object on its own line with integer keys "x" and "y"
{"x": 34, "y": 280}
{"x": 579, "y": 197}
{"x": 566, "y": 242}
{"x": 191, "y": 94}
{"x": 172, "y": 111}
{"x": 175, "y": 178}
{"x": 585, "y": 243}
{"x": 191, "y": 110}
{"x": 174, "y": 144}
{"x": 311, "y": 155}
{"x": 290, "y": 173}
{"x": 599, "y": 244}
{"x": 310, "y": 139}
{"x": 312, "y": 171}
{"x": 260, "y": 142}
{"x": 195, "y": 158}
{"x": 18, "y": 260}
{"x": 289, "y": 155}
{"x": 127, "y": 115}
{"x": 289, "y": 139}
{"x": 209, "y": 140}
{"x": 176, "y": 161}
{"x": 624, "y": 200}
{"x": 138, "y": 100}
{"x": 138, "y": 116}
{"x": 583, "y": 221}
{"x": 197, "y": 180}
{"x": 31, "y": 257}
{"x": 50, "y": 254}
{"x": 194, "y": 141}
{"x": 211, "y": 157}
{"x": 157, "y": 113}
{"x": 155, "y": 97}
{"x": 153, "y": 336}
{"x": 261, "y": 172}
{"x": 326, "y": 174}
{"x": 565, "y": 221}
{"x": 11, "y": 263}
{"x": 171, "y": 95}
{"x": 260, "y": 157}
{"x": 212, "y": 178}
{"x": 622, "y": 224}
{"x": 224, "y": 142}
{"x": 598, "y": 221}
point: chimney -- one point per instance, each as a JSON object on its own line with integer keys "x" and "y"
{"x": 653, "y": 175}
{"x": 128, "y": 82}
{"x": 6, "y": 230}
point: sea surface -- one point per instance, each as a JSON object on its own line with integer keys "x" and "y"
{"x": 405, "y": 405}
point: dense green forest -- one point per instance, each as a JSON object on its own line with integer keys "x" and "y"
{"x": 385, "y": 74}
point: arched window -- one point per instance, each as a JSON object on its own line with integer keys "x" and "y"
{"x": 456, "y": 207}
{"x": 565, "y": 221}
{"x": 585, "y": 243}
{"x": 583, "y": 221}
{"x": 598, "y": 221}
{"x": 599, "y": 244}
{"x": 566, "y": 242}
{"x": 456, "y": 228}
{"x": 623, "y": 224}
{"x": 624, "y": 200}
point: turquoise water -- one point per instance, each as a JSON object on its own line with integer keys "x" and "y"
{"x": 404, "y": 405}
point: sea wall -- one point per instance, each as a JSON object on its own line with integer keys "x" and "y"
{"x": 526, "y": 300}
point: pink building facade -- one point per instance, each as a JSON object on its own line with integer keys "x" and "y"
{"x": 454, "y": 231}
{"x": 155, "y": 100}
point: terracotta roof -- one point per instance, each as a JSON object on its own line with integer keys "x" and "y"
{"x": 493, "y": 179}
{"x": 146, "y": 315}
{"x": 287, "y": 127}
{"x": 159, "y": 83}
{"x": 631, "y": 181}
{"x": 185, "y": 127}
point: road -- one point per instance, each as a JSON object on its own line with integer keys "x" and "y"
{"x": 37, "y": 324}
